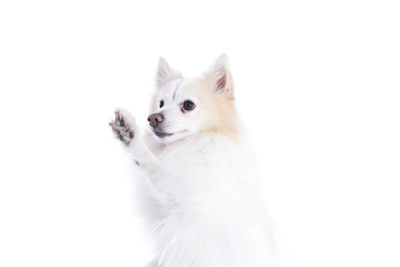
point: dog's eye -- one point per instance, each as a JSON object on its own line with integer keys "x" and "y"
{"x": 161, "y": 103}
{"x": 188, "y": 105}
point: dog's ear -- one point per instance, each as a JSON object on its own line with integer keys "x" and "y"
{"x": 222, "y": 77}
{"x": 165, "y": 73}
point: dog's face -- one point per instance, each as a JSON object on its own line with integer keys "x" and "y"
{"x": 183, "y": 107}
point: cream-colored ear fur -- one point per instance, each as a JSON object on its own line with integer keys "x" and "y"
{"x": 222, "y": 76}
{"x": 165, "y": 73}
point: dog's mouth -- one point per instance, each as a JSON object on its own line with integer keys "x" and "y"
{"x": 161, "y": 133}
{"x": 165, "y": 134}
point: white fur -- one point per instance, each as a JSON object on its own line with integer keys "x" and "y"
{"x": 201, "y": 196}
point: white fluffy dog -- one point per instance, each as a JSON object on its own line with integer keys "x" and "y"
{"x": 202, "y": 194}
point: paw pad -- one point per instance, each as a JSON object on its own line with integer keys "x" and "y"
{"x": 122, "y": 129}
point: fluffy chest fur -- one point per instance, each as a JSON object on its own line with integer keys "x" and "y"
{"x": 209, "y": 189}
{"x": 206, "y": 170}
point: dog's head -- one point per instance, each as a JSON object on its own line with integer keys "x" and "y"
{"x": 183, "y": 107}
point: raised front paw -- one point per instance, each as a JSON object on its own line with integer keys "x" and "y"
{"x": 123, "y": 126}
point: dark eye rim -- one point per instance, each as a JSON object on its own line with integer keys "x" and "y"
{"x": 161, "y": 103}
{"x": 188, "y": 105}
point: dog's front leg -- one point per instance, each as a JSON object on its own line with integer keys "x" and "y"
{"x": 127, "y": 131}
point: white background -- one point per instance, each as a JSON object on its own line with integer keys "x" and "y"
{"x": 317, "y": 84}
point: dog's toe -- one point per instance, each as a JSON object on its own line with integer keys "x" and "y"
{"x": 122, "y": 122}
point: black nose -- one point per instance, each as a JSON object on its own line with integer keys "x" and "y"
{"x": 155, "y": 119}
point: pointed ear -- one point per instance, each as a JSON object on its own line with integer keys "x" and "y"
{"x": 165, "y": 73}
{"x": 221, "y": 75}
